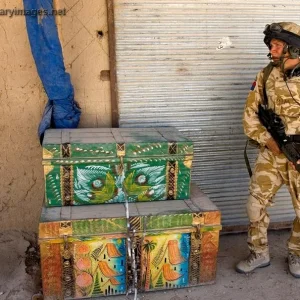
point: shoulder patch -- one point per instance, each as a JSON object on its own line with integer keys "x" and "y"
{"x": 253, "y": 86}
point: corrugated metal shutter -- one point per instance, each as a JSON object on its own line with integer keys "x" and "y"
{"x": 190, "y": 64}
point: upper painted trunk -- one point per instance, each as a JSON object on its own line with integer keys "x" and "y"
{"x": 96, "y": 166}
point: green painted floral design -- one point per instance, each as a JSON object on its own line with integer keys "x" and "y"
{"x": 144, "y": 182}
{"x": 93, "y": 184}
{"x": 138, "y": 180}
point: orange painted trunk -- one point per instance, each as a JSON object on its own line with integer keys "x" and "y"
{"x": 84, "y": 250}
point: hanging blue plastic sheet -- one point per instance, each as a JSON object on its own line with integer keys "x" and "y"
{"x": 61, "y": 111}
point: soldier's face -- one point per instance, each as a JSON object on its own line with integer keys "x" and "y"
{"x": 276, "y": 49}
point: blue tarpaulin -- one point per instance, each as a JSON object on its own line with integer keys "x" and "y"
{"x": 61, "y": 111}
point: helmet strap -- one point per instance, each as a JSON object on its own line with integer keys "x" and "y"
{"x": 277, "y": 63}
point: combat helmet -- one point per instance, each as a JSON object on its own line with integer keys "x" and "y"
{"x": 288, "y": 32}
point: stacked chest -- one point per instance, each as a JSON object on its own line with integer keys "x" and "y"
{"x": 97, "y": 166}
{"x": 88, "y": 252}
{"x": 129, "y": 239}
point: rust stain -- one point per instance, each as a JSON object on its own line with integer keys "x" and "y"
{"x": 182, "y": 70}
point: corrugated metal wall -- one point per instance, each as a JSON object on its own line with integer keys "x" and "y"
{"x": 190, "y": 64}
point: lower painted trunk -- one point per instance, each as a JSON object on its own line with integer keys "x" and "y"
{"x": 84, "y": 249}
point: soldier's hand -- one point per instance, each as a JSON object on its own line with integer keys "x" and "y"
{"x": 272, "y": 146}
{"x": 292, "y": 165}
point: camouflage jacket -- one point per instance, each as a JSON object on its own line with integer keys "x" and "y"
{"x": 279, "y": 99}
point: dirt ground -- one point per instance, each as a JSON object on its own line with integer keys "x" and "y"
{"x": 18, "y": 254}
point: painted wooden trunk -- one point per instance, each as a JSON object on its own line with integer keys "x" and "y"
{"x": 85, "y": 250}
{"x": 105, "y": 165}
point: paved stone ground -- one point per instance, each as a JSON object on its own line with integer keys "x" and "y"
{"x": 273, "y": 282}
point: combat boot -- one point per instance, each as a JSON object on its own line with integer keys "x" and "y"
{"x": 294, "y": 264}
{"x": 253, "y": 261}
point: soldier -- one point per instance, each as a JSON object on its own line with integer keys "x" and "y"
{"x": 280, "y": 84}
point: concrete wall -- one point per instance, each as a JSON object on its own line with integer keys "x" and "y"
{"x": 22, "y": 99}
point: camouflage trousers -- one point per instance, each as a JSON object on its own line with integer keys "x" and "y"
{"x": 270, "y": 173}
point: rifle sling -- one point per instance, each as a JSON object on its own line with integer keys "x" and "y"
{"x": 247, "y": 159}
{"x": 267, "y": 71}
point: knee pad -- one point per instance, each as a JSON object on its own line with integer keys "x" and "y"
{"x": 255, "y": 210}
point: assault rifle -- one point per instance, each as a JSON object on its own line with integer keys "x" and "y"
{"x": 275, "y": 127}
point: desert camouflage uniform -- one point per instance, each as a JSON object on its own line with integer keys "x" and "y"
{"x": 272, "y": 171}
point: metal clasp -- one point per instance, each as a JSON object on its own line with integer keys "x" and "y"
{"x": 198, "y": 231}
